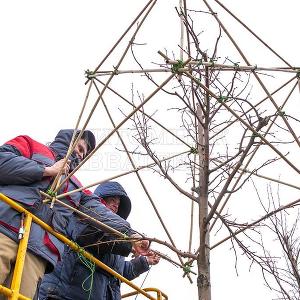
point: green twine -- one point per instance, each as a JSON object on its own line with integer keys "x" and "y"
{"x": 222, "y": 99}
{"x": 89, "y": 265}
{"x": 88, "y": 73}
{"x": 187, "y": 268}
{"x": 255, "y": 134}
{"x": 281, "y": 113}
{"x": 193, "y": 150}
{"x": 212, "y": 62}
{"x": 200, "y": 62}
{"x": 236, "y": 66}
{"x": 175, "y": 68}
{"x": 51, "y": 193}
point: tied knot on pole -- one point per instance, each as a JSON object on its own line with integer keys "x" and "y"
{"x": 175, "y": 67}
{"x": 51, "y": 193}
{"x": 88, "y": 74}
{"x": 222, "y": 99}
{"x": 187, "y": 268}
{"x": 125, "y": 236}
{"x": 193, "y": 150}
{"x": 80, "y": 249}
{"x": 212, "y": 62}
{"x": 200, "y": 63}
{"x": 236, "y": 66}
{"x": 281, "y": 113}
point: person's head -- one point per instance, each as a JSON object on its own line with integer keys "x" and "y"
{"x": 63, "y": 139}
{"x": 86, "y": 144}
{"x": 112, "y": 202}
{"x": 81, "y": 149}
{"x": 114, "y": 197}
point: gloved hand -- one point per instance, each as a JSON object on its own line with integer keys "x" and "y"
{"x": 152, "y": 258}
{"x": 140, "y": 246}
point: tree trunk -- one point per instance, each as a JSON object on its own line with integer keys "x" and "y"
{"x": 203, "y": 281}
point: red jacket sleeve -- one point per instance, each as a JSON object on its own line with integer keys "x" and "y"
{"x": 16, "y": 167}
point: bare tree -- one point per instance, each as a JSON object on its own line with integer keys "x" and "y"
{"x": 230, "y": 127}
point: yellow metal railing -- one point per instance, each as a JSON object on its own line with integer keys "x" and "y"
{"x": 13, "y": 292}
{"x": 159, "y": 293}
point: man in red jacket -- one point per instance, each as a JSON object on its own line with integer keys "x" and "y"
{"x": 26, "y": 168}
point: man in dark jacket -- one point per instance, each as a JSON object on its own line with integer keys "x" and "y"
{"x": 75, "y": 278}
{"x": 26, "y": 168}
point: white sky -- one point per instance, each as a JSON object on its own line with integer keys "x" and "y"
{"x": 45, "y": 49}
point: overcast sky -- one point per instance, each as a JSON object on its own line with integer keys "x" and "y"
{"x": 46, "y": 46}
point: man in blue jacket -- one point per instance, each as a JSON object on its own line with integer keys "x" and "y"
{"x": 26, "y": 168}
{"x": 75, "y": 278}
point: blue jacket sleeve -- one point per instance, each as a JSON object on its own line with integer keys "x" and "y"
{"x": 91, "y": 205}
{"x": 17, "y": 169}
{"x": 135, "y": 267}
{"x": 98, "y": 243}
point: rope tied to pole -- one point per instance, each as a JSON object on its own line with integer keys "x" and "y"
{"x": 175, "y": 67}
{"x": 88, "y": 73}
{"x": 212, "y": 62}
{"x": 187, "y": 268}
{"x": 236, "y": 66}
{"x": 200, "y": 63}
{"x": 254, "y": 134}
{"x": 281, "y": 113}
{"x": 51, "y": 192}
{"x": 193, "y": 150}
{"x": 222, "y": 99}
{"x": 125, "y": 236}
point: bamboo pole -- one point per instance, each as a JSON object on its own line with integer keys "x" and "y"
{"x": 255, "y": 74}
{"x": 217, "y": 203}
{"x": 251, "y": 157}
{"x": 117, "y": 176}
{"x": 201, "y": 65}
{"x": 102, "y": 92}
{"x": 56, "y": 182}
{"x": 260, "y": 102}
{"x": 253, "y": 172}
{"x": 103, "y": 226}
{"x": 124, "y": 34}
{"x": 195, "y": 156}
{"x": 142, "y": 183}
{"x": 121, "y": 123}
{"x": 148, "y": 116}
{"x": 252, "y": 32}
{"x": 246, "y": 124}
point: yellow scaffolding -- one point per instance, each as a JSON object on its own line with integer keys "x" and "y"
{"x": 13, "y": 292}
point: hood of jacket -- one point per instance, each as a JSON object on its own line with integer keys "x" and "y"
{"x": 113, "y": 188}
{"x": 62, "y": 141}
